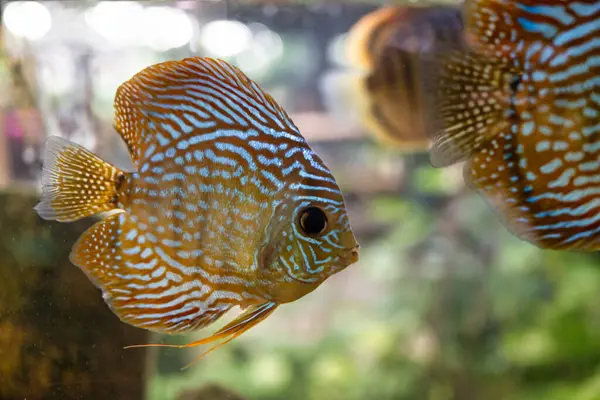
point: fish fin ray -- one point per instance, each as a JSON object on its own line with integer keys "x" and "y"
{"x": 75, "y": 182}
{"x": 232, "y": 330}
{"x": 468, "y": 104}
{"x": 135, "y": 283}
{"x": 169, "y": 101}
{"x": 235, "y": 328}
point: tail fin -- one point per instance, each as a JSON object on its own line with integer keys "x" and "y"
{"x": 76, "y": 184}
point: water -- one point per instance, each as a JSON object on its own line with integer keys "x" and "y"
{"x": 444, "y": 303}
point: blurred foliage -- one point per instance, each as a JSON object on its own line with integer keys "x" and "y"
{"x": 210, "y": 392}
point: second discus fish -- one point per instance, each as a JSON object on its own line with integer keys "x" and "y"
{"x": 523, "y": 109}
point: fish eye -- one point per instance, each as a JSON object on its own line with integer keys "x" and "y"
{"x": 313, "y": 221}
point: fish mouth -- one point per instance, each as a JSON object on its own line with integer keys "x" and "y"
{"x": 350, "y": 256}
{"x": 344, "y": 259}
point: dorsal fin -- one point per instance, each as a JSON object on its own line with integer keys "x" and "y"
{"x": 172, "y": 100}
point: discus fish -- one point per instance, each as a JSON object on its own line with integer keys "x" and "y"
{"x": 228, "y": 205}
{"x": 522, "y": 107}
{"x": 388, "y": 44}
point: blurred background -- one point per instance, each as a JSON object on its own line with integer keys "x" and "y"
{"x": 444, "y": 302}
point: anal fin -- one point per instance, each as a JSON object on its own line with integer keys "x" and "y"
{"x": 232, "y": 330}
{"x": 140, "y": 287}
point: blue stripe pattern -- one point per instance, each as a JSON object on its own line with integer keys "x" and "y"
{"x": 211, "y": 217}
{"x": 545, "y": 178}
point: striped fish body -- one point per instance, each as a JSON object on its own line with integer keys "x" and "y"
{"x": 228, "y": 205}
{"x": 389, "y": 44}
{"x": 524, "y": 109}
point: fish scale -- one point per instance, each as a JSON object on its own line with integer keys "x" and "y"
{"x": 228, "y": 205}
{"x": 532, "y": 144}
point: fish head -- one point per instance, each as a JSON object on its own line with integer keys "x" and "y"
{"x": 314, "y": 239}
